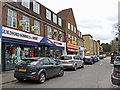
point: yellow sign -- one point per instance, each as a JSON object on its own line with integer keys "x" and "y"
{"x": 22, "y": 23}
{"x": 74, "y": 42}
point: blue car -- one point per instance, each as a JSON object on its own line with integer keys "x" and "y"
{"x": 88, "y": 60}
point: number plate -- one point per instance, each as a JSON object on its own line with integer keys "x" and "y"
{"x": 22, "y": 70}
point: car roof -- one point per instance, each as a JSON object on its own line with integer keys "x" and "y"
{"x": 37, "y": 58}
{"x": 87, "y": 56}
{"x": 70, "y": 55}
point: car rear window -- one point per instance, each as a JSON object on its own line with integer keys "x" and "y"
{"x": 29, "y": 61}
{"x": 66, "y": 57}
{"x": 76, "y": 57}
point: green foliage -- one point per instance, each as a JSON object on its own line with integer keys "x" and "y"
{"x": 106, "y": 47}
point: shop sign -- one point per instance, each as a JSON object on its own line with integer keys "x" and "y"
{"x": 72, "y": 50}
{"x": 74, "y": 42}
{"x": 72, "y": 46}
{"x": 15, "y": 34}
{"x": 58, "y": 43}
{"x": 0, "y": 31}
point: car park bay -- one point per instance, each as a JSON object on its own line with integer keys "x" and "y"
{"x": 97, "y": 75}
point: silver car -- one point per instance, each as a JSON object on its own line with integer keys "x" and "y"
{"x": 72, "y": 62}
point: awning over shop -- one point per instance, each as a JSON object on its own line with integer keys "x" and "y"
{"x": 59, "y": 48}
{"x": 46, "y": 42}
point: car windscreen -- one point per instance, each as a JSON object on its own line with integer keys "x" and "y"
{"x": 29, "y": 61}
{"x": 65, "y": 57}
{"x": 76, "y": 57}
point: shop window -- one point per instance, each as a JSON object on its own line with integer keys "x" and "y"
{"x": 12, "y": 18}
{"x": 27, "y": 26}
{"x": 48, "y": 14}
{"x": 36, "y": 7}
{"x": 49, "y": 32}
{"x": 26, "y": 3}
{"x": 55, "y": 18}
{"x": 55, "y": 34}
{"x": 60, "y": 36}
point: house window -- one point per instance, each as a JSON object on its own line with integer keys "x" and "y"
{"x": 12, "y": 18}
{"x": 69, "y": 26}
{"x": 27, "y": 26}
{"x": 69, "y": 38}
{"x": 37, "y": 27}
{"x": 55, "y": 34}
{"x": 79, "y": 34}
{"x": 36, "y": 7}
{"x": 74, "y": 29}
{"x": 60, "y": 36}
{"x": 26, "y": 3}
{"x": 48, "y": 14}
{"x": 59, "y": 21}
{"x": 49, "y": 30}
{"x": 54, "y": 18}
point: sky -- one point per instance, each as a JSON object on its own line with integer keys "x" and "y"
{"x": 95, "y": 17}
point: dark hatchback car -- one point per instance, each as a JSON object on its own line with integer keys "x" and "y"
{"x": 115, "y": 77}
{"x": 113, "y": 56}
{"x": 38, "y": 69}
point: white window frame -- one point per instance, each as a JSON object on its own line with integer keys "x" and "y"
{"x": 12, "y": 16}
{"x": 26, "y": 3}
{"x": 48, "y": 14}
{"x": 27, "y": 26}
{"x": 49, "y": 32}
{"x": 72, "y": 27}
{"x": 68, "y": 25}
{"x": 59, "y": 21}
{"x": 75, "y": 30}
{"x": 36, "y": 7}
{"x": 37, "y": 23}
{"x": 55, "y": 18}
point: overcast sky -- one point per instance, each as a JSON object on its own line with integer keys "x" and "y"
{"x": 94, "y": 17}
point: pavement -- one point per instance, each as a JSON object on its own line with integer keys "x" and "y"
{"x": 6, "y": 77}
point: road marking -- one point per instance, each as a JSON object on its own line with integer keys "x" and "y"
{"x": 101, "y": 64}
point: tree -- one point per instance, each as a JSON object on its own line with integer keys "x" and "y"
{"x": 106, "y": 47}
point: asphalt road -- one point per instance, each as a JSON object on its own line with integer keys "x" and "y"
{"x": 97, "y": 75}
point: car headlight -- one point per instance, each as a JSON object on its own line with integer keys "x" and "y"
{"x": 33, "y": 73}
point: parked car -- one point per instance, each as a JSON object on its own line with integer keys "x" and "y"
{"x": 115, "y": 77}
{"x": 88, "y": 60}
{"x": 113, "y": 56}
{"x": 101, "y": 57}
{"x": 95, "y": 58}
{"x": 72, "y": 61}
{"x": 38, "y": 69}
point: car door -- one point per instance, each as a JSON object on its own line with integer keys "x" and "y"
{"x": 48, "y": 67}
{"x": 56, "y": 67}
{"x": 77, "y": 60}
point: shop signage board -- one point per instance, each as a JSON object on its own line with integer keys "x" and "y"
{"x": 20, "y": 35}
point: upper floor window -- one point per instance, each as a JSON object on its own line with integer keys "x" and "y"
{"x": 36, "y": 27}
{"x": 68, "y": 25}
{"x": 49, "y": 32}
{"x": 55, "y": 34}
{"x": 68, "y": 35}
{"x": 55, "y": 18}
{"x": 79, "y": 34}
{"x": 48, "y": 14}
{"x": 74, "y": 29}
{"x": 26, "y": 3}
{"x": 60, "y": 36}
{"x": 12, "y": 18}
{"x": 69, "y": 38}
{"x": 36, "y": 7}
{"x": 27, "y": 23}
{"x": 60, "y": 21}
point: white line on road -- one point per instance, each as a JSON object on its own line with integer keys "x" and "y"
{"x": 101, "y": 64}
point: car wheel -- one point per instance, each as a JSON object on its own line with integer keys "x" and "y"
{"x": 20, "y": 79}
{"x": 61, "y": 73}
{"x": 75, "y": 68}
{"x": 42, "y": 78}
